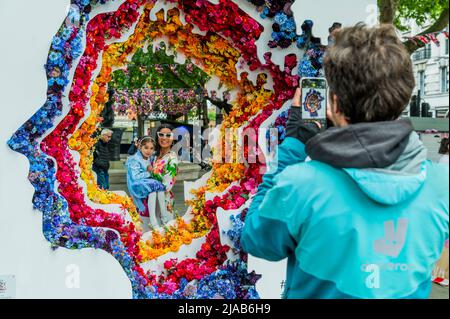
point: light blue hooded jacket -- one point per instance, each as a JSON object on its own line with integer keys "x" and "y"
{"x": 366, "y": 218}
{"x": 140, "y": 182}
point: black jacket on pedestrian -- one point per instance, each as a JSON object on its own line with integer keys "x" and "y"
{"x": 101, "y": 156}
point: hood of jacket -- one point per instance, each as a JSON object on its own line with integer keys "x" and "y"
{"x": 387, "y": 160}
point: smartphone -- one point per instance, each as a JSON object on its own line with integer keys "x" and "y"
{"x": 314, "y": 100}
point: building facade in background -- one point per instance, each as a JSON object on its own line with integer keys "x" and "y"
{"x": 431, "y": 69}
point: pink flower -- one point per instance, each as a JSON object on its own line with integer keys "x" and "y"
{"x": 170, "y": 264}
{"x": 247, "y": 27}
{"x": 169, "y": 287}
{"x": 240, "y": 201}
{"x": 99, "y": 219}
{"x": 250, "y": 185}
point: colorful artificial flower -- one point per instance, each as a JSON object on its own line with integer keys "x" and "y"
{"x": 69, "y": 220}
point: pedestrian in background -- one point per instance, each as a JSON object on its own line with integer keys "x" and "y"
{"x": 444, "y": 150}
{"x": 101, "y": 159}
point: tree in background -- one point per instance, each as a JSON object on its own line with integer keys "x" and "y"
{"x": 398, "y": 12}
{"x": 157, "y": 69}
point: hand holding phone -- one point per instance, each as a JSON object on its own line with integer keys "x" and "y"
{"x": 313, "y": 100}
{"x": 297, "y": 100}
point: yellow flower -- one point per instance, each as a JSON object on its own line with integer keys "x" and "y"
{"x": 95, "y": 88}
{"x": 260, "y": 99}
{"x": 73, "y": 143}
{"x": 171, "y": 28}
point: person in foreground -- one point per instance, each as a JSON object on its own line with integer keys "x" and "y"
{"x": 165, "y": 169}
{"x": 368, "y": 216}
{"x": 140, "y": 183}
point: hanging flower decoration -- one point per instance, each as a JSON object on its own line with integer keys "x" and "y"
{"x": 152, "y": 81}
{"x": 146, "y": 101}
{"x": 68, "y": 218}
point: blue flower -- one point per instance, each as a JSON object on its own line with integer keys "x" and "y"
{"x": 62, "y": 81}
{"x": 307, "y": 69}
{"x": 277, "y": 36}
{"x": 54, "y": 56}
{"x": 301, "y": 41}
{"x": 265, "y": 12}
{"x": 291, "y": 35}
{"x": 58, "y": 44}
{"x": 320, "y": 60}
{"x": 66, "y": 33}
{"x": 74, "y": 14}
{"x": 281, "y": 18}
{"x": 77, "y": 47}
{"x": 253, "y": 294}
{"x": 289, "y": 25}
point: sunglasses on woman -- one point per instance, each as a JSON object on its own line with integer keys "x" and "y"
{"x": 166, "y": 135}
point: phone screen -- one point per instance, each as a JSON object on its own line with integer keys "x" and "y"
{"x": 314, "y": 99}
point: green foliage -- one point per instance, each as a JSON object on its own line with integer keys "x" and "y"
{"x": 211, "y": 116}
{"x": 421, "y": 11}
{"x": 157, "y": 70}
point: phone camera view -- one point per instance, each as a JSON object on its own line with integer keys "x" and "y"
{"x": 314, "y": 93}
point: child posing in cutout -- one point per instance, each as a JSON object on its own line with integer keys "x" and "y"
{"x": 141, "y": 184}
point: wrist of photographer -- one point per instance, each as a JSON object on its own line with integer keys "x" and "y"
{"x": 298, "y": 128}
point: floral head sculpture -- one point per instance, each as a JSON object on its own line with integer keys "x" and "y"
{"x": 62, "y": 182}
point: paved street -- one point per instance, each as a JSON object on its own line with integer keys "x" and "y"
{"x": 180, "y": 206}
{"x": 439, "y": 292}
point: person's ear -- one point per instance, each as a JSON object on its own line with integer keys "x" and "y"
{"x": 339, "y": 116}
{"x": 332, "y": 105}
{"x": 335, "y": 105}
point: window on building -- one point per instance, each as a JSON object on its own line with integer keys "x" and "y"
{"x": 422, "y": 83}
{"x": 444, "y": 79}
{"x": 441, "y": 113}
{"x": 423, "y": 53}
{"x": 446, "y": 46}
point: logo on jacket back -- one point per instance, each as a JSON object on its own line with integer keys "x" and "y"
{"x": 394, "y": 239}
